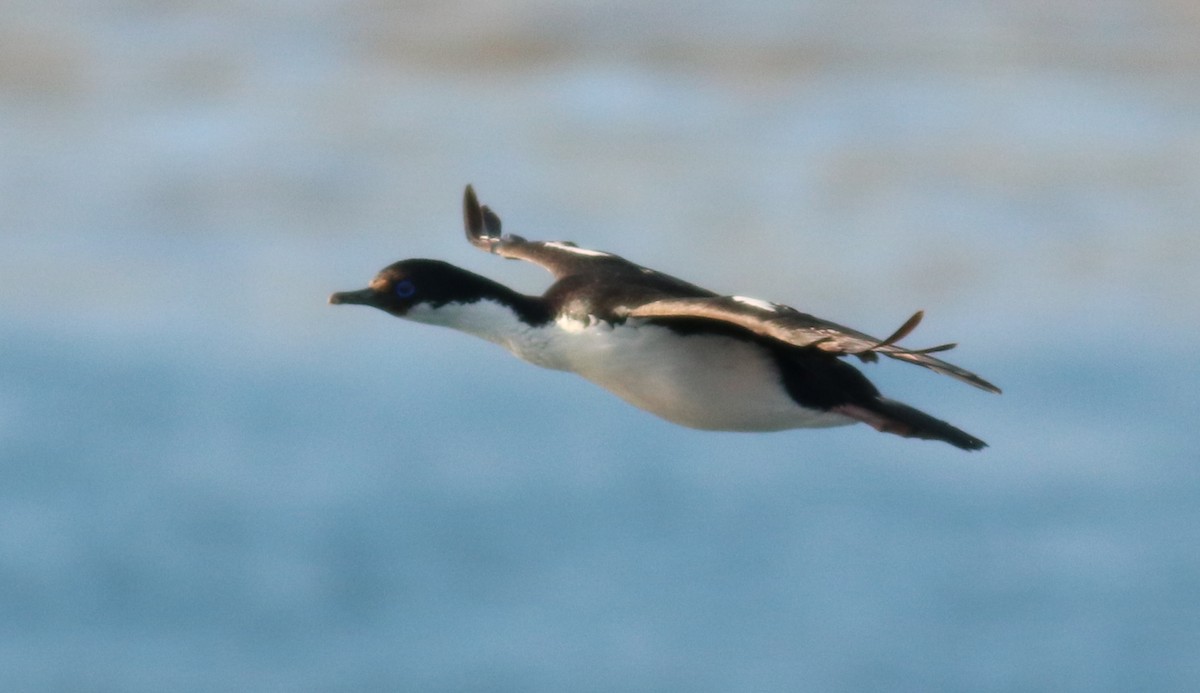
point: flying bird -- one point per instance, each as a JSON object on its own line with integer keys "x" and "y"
{"x": 674, "y": 349}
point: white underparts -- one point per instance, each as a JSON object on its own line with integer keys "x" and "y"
{"x": 698, "y": 380}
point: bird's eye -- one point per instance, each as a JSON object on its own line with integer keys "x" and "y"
{"x": 404, "y": 288}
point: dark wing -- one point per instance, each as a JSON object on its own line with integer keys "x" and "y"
{"x": 560, "y": 258}
{"x": 790, "y": 326}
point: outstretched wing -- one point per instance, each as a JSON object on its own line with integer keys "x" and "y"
{"x": 560, "y": 258}
{"x": 780, "y": 322}
{"x": 790, "y": 326}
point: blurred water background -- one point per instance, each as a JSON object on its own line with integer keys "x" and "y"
{"x": 211, "y": 480}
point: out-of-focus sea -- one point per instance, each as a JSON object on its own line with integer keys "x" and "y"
{"x": 212, "y": 480}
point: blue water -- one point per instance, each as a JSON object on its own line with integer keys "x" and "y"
{"x": 212, "y": 480}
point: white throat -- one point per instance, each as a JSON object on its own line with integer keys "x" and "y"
{"x": 490, "y": 320}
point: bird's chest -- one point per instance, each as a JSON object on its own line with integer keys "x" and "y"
{"x": 697, "y": 380}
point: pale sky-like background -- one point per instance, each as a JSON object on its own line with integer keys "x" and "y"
{"x": 211, "y": 480}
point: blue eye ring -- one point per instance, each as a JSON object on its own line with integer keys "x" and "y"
{"x": 404, "y": 288}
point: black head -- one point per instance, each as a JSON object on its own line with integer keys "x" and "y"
{"x": 433, "y": 283}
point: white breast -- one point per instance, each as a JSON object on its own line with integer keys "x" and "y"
{"x": 700, "y": 381}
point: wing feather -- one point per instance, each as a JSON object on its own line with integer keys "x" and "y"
{"x": 790, "y": 326}
{"x": 560, "y": 258}
{"x": 780, "y": 322}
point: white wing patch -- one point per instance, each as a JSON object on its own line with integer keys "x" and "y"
{"x": 757, "y": 303}
{"x": 575, "y": 249}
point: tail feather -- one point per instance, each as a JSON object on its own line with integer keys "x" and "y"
{"x": 890, "y": 416}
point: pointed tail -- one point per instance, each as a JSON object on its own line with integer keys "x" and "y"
{"x": 890, "y": 416}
